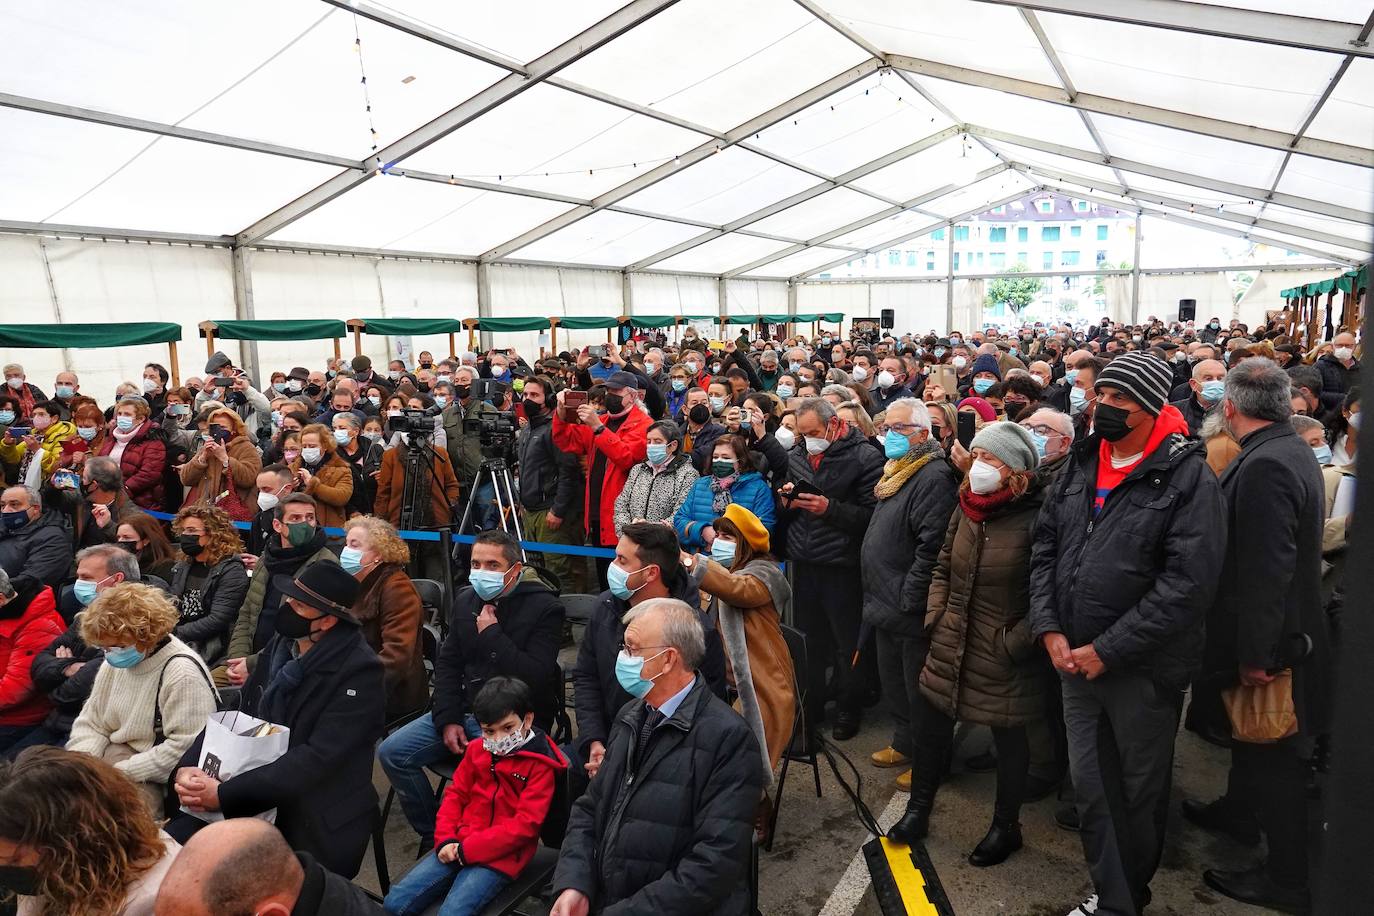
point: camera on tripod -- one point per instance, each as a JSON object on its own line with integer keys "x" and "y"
{"x": 495, "y": 432}
{"x": 417, "y": 424}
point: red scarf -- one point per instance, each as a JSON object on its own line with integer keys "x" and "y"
{"x": 980, "y": 508}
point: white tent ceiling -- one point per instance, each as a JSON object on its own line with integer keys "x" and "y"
{"x": 769, "y": 139}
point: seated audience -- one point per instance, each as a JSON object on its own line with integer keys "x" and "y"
{"x": 35, "y": 543}
{"x": 227, "y": 459}
{"x": 139, "y": 449}
{"x": 208, "y": 582}
{"x": 323, "y": 475}
{"x": 29, "y": 622}
{"x": 143, "y": 536}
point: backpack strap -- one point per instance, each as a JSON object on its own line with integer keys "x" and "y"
{"x": 158, "y": 736}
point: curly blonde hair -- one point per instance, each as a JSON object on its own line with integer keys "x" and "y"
{"x": 382, "y": 535}
{"x": 326, "y": 439}
{"x": 89, "y": 821}
{"x": 224, "y": 539}
{"x": 129, "y": 614}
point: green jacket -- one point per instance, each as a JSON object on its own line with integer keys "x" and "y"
{"x": 464, "y": 448}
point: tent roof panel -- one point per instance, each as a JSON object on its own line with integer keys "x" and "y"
{"x": 977, "y": 105}
{"x": 926, "y": 170}
{"x": 797, "y": 263}
{"x": 722, "y": 187}
{"x": 1053, "y": 163}
{"x": 813, "y": 217}
{"x": 540, "y": 26}
{"x": 896, "y": 225}
{"x": 725, "y": 253}
{"x": 608, "y": 238}
{"x": 1336, "y": 182}
{"x": 1334, "y": 10}
{"x": 1348, "y": 115}
{"x": 1189, "y": 152}
{"x": 992, "y": 188}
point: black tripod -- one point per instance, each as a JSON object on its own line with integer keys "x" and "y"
{"x": 417, "y": 502}
{"x": 497, "y": 471}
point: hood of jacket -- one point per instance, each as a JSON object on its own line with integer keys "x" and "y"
{"x": 46, "y": 518}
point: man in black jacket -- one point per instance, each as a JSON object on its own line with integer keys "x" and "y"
{"x": 915, "y": 499}
{"x": 1123, "y": 568}
{"x": 825, "y": 532}
{"x": 1340, "y": 371}
{"x": 1204, "y": 390}
{"x": 35, "y": 543}
{"x": 647, "y": 565}
{"x": 1268, "y": 600}
{"x": 666, "y": 825}
{"x": 319, "y": 678}
{"x": 511, "y": 627}
{"x": 550, "y": 485}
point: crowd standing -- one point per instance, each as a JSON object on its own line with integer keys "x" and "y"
{"x": 1067, "y": 535}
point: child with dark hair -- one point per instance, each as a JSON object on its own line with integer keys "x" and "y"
{"x": 489, "y": 821}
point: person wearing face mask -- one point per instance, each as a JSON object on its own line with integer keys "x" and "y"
{"x": 274, "y": 484}
{"x": 35, "y": 543}
{"x": 29, "y": 623}
{"x": 209, "y": 581}
{"x": 550, "y": 483}
{"x": 65, "y": 388}
{"x": 914, "y": 499}
{"x": 464, "y": 445}
{"x": 733, "y": 479}
{"x": 1206, "y": 388}
{"x": 296, "y": 541}
{"x": 319, "y": 678}
{"x": 677, "y": 383}
{"x": 27, "y": 394}
{"x": 824, "y": 539}
{"x": 143, "y": 537}
{"x": 983, "y": 375}
{"x": 684, "y": 775}
{"x": 1123, "y": 569}
{"x": 151, "y": 697}
{"x": 503, "y": 788}
{"x": 659, "y": 484}
{"x": 96, "y": 508}
{"x": 506, "y": 623}
{"x": 700, "y": 431}
{"x": 1083, "y": 395}
{"x": 889, "y": 384}
{"x": 226, "y": 459}
{"x": 324, "y": 475}
{"x": 982, "y": 666}
{"x": 140, "y": 448}
{"x": 363, "y": 457}
{"x": 39, "y": 452}
{"x": 154, "y": 387}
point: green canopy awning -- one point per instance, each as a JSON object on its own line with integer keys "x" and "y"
{"x": 400, "y": 327}
{"x": 292, "y": 329}
{"x": 833, "y": 317}
{"x": 77, "y": 336}
{"x": 653, "y": 321}
{"x": 513, "y": 324}
{"x": 586, "y": 323}
{"x": 1345, "y": 283}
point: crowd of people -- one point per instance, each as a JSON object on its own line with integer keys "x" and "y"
{"x": 1063, "y": 534}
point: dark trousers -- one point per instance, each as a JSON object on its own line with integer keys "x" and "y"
{"x": 934, "y": 743}
{"x": 1121, "y": 730}
{"x": 39, "y": 735}
{"x": 827, "y": 603}
{"x": 13, "y": 734}
{"x": 1271, "y": 781}
{"x": 1049, "y": 752}
{"x": 900, "y": 659}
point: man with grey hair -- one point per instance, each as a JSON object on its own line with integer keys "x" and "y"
{"x": 1053, "y": 435}
{"x": 35, "y": 543}
{"x": 667, "y": 822}
{"x": 827, "y": 521}
{"x": 1206, "y": 387}
{"x": 95, "y": 509}
{"x": 464, "y": 445}
{"x": 1266, "y": 622}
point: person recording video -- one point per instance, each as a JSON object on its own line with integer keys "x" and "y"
{"x": 416, "y": 485}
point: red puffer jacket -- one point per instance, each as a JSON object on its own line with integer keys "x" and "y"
{"x": 495, "y": 806}
{"x": 25, "y": 631}
{"x": 623, "y": 448}
{"x": 143, "y": 463}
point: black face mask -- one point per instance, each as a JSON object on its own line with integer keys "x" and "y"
{"x": 290, "y": 624}
{"x": 131, "y": 546}
{"x": 462, "y": 391}
{"x": 1014, "y": 409}
{"x": 699, "y": 414}
{"x": 422, "y": 386}
{"x": 190, "y": 544}
{"x": 533, "y": 408}
{"x": 21, "y": 879}
{"x": 1110, "y": 422}
{"x": 426, "y": 364}
{"x": 614, "y": 404}
{"x": 313, "y": 390}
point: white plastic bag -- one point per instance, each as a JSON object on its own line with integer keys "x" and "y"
{"x": 230, "y": 747}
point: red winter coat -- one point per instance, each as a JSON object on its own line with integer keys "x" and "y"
{"x": 495, "y": 806}
{"x": 623, "y": 448}
{"x": 143, "y": 463}
{"x": 22, "y": 637}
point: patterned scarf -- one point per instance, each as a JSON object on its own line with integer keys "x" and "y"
{"x": 720, "y": 492}
{"x": 981, "y": 508}
{"x": 897, "y": 472}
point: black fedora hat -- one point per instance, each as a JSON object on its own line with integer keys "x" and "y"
{"x": 324, "y": 586}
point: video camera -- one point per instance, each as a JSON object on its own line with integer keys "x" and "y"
{"x": 417, "y": 424}
{"x": 495, "y": 432}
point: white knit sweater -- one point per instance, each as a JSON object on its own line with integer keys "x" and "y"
{"x": 120, "y": 710}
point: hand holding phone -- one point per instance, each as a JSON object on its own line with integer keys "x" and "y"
{"x": 967, "y": 425}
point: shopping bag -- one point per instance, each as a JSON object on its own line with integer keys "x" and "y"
{"x": 235, "y": 743}
{"x": 1265, "y": 714}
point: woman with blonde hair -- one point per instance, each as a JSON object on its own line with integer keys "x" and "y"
{"x": 209, "y": 581}
{"x": 324, "y": 475}
{"x": 77, "y": 838}
{"x": 227, "y": 458}
{"x": 151, "y": 697}
{"x": 389, "y": 609}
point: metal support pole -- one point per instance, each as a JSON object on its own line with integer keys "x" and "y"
{"x": 949, "y": 284}
{"x": 722, "y": 303}
{"x": 244, "y": 310}
{"x": 627, "y": 294}
{"x": 484, "y": 302}
{"x": 1135, "y": 274}
{"x": 791, "y": 306}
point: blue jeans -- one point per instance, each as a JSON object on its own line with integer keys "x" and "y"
{"x": 405, "y": 754}
{"x": 464, "y": 890}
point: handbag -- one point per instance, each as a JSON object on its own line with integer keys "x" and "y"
{"x": 1264, "y": 714}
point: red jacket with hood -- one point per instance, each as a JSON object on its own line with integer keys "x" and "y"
{"x": 25, "y": 631}
{"x": 623, "y": 448}
{"x": 495, "y": 806}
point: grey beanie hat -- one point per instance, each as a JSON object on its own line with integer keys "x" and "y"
{"x": 1011, "y": 443}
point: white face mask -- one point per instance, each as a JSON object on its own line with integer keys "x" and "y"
{"x": 860, "y": 374}
{"x": 959, "y": 362}
{"x": 1344, "y": 353}
{"x": 786, "y": 438}
{"x": 983, "y": 478}
{"x": 267, "y": 501}
{"x": 886, "y": 379}
{"x": 816, "y": 444}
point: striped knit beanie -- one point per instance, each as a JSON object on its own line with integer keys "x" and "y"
{"x": 1143, "y": 378}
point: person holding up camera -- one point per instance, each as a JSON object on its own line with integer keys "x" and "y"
{"x": 550, "y": 481}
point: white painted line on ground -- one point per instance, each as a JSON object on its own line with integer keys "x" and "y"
{"x": 849, "y": 892}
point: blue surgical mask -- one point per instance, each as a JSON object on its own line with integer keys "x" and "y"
{"x": 1213, "y": 391}
{"x": 723, "y": 552}
{"x": 488, "y": 584}
{"x": 1070, "y": 376}
{"x": 312, "y": 455}
{"x": 629, "y": 671}
{"x": 939, "y": 352}
{"x": 123, "y": 657}
{"x": 717, "y": 405}
{"x": 276, "y": 417}
{"x": 351, "y": 559}
{"x": 6, "y": 417}
{"x": 794, "y": 366}
{"x": 124, "y": 424}
{"x": 983, "y": 385}
{"x": 64, "y": 391}
{"x": 895, "y": 445}
{"x": 86, "y": 432}
{"x": 84, "y": 590}
{"x": 279, "y": 387}
{"x": 786, "y": 391}
{"x": 341, "y": 436}
{"x": 618, "y": 579}
{"x": 1323, "y": 453}
{"x": 441, "y": 400}
{"x": 657, "y": 452}
{"x": 1078, "y": 399}
{"x": 1040, "y": 443}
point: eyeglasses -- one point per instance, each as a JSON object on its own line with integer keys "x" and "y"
{"x": 624, "y": 647}
{"x": 905, "y": 429}
{"x": 1048, "y": 432}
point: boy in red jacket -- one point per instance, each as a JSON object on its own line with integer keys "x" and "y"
{"x": 489, "y": 821}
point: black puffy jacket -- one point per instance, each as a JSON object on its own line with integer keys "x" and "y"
{"x": 847, "y": 474}
{"x": 673, "y": 837}
{"x": 68, "y": 694}
{"x": 1137, "y": 581}
{"x": 550, "y": 478}
{"x": 902, "y": 546}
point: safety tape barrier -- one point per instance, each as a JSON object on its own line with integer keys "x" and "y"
{"x": 573, "y": 550}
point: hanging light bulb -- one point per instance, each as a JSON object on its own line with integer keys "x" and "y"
{"x": 963, "y": 170}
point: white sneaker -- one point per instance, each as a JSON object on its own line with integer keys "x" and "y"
{"x": 1086, "y": 908}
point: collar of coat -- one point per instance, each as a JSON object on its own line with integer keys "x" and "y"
{"x": 633, "y": 713}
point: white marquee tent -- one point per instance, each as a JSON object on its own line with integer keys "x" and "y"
{"x": 327, "y": 158}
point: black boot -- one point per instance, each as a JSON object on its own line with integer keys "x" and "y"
{"x": 1255, "y": 887}
{"x": 1223, "y": 816}
{"x": 915, "y": 823}
{"x": 1003, "y": 838}
{"x": 846, "y": 726}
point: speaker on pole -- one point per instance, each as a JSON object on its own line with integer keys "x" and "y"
{"x": 887, "y": 319}
{"x": 1187, "y": 310}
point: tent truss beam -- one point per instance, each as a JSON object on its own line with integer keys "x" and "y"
{"x": 504, "y": 89}
{"x": 1219, "y": 21}
{"x": 1113, "y": 272}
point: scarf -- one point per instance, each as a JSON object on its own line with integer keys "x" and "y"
{"x": 897, "y": 473}
{"x": 287, "y": 669}
{"x": 836, "y": 430}
{"x": 720, "y": 492}
{"x": 122, "y": 439}
{"x": 979, "y": 508}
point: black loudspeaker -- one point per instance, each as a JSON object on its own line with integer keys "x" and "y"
{"x": 1187, "y": 310}
{"x": 888, "y": 319}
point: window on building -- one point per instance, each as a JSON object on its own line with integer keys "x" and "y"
{"x": 938, "y": 235}
{"x": 1045, "y": 205}
{"x": 911, "y": 259}
{"x": 980, "y": 259}
{"x": 894, "y": 257}
{"x": 1022, "y": 258}
{"x": 997, "y": 260}
{"x": 1101, "y": 256}
{"x": 1102, "y": 233}
{"x": 961, "y": 233}
{"x": 1068, "y": 258}
{"x": 930, "y": 263}
{"x": 1049, "y": 261}
{"x": 1080, "y": 206}
{"x": 956, "y": 260}
{"x": 1049, "y": 233}
{"x": 1000, "y": 210}
{"x": 1022, "y": 234}
{"x": 1075, "y": 232}
{"x": 997, "y": 234}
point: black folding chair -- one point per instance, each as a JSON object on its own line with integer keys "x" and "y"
{"x": 802, "y": 747}
{"x": 435, "y": 603}
{"x": 578, "y": 608}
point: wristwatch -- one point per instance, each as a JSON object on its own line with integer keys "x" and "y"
{"x": 688, "y": 560}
